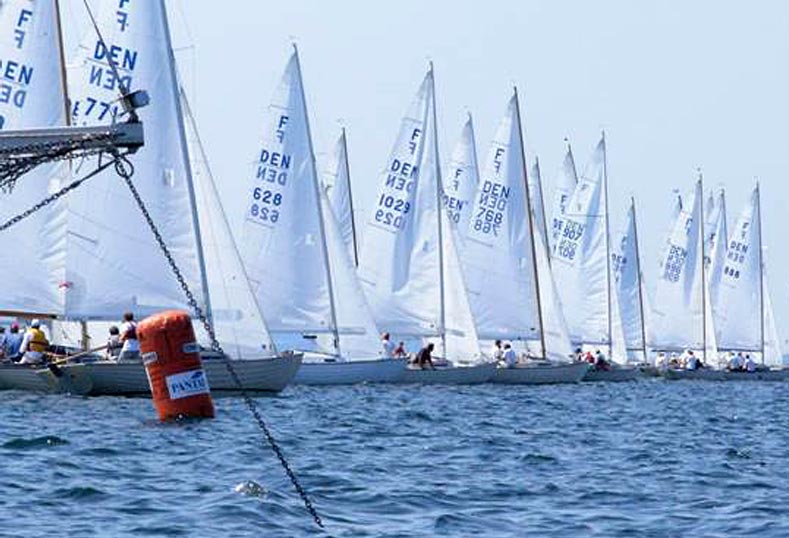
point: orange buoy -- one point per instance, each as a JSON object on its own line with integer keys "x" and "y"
{"x": 172, "y": 361}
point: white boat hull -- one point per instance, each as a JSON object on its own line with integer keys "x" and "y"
{"x": 724, "y": 375}
{"x": 541, "y": 373}
{"x": 40, "y": 379}
{"x": 615, "y": 374}
{"x": 350, "y": 372}
{"x": 269, "y": 374}
{"x": 455, "y": 375}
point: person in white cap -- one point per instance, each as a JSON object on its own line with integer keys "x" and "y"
{"x": 34, "y": 344}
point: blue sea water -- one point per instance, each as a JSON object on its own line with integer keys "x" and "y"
{"x": 651, "y": 458}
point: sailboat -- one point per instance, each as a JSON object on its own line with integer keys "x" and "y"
{"x": 35, "y": 99}
{"x": 408, "y": 267}
{"x": 582, "y": 261}
{"x": 742, "y": 308}
{"x": 103, "y": 274}
{"x": 501, "y": 261}
{"x": 290, "y": 225}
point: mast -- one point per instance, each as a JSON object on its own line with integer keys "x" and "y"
{"x": 321, "y": 226}
{"x": 187, "y": 163}
{"x": 62, "y": 56}
{"x": 607, "y": 249}
{"x": 640, "y": 277}
{"x": 350, "y": 200}
{"x": 439, "y": 203}
{"x": 761, "y": 268}
{"x": 700, "y": 194}
{"x": 531, "y": 224}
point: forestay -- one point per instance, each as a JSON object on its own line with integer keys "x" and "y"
{"x": 566, "y": 181}
{"x": 113, "y": 263}
{"x": 337, "y": 183}
{"x": 31, "y": 95}
{"x": 238, "y": 321}
{"x": 497, "y": 250}
{"x": 678, "y": 312}
{"x": 461, "y": 178}
{"x": 399, "y": 266}
{"x": 738, "y": 309}
{"x": 581, "y": 256}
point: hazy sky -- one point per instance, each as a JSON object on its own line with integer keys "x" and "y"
{"x": 675, "y": 84}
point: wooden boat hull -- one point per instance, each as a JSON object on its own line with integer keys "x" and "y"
{"x": 614, "y": 375}
{"x": 37, "y": 379}
{"x": 541, "y": 374}
{"x": 724, "y": 375}
{"x": 350, "y": 372}
{"x": 271, "y": 374}
{"x": 456, "y": 375}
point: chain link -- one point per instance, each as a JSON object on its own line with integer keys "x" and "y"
{"x": 215, "y": 346}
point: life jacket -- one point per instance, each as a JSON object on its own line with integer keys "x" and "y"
{"x": 131, "y": 331}
{"x": 38, "y": 340}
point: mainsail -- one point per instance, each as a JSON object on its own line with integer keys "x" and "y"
{"x": 678, "y": 312}
{"x": 580, "y": 257}
{"x": 113, "y": 264}
{"x": 337, "y": 183}
{"x": 626, "y": 277}
{"x": 739, "y": 303}
{"x": 716, "y": 242}
{"x": 461, "y": 178}
{"x": 566, "y": 182}
{"x": 400, "y": 263}
{"x": 537, "y": 202}
{"x": 32, "y": 96}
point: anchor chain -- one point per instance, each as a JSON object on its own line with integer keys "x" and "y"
{"x": 216, "y": 347}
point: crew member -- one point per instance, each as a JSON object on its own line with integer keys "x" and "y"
{"x": 34, "y": 344}
{"x": 425, "y": 357}
{"x": 130, "y": 349}
{"x": 387, "y": 346}
{"x": 510, "y": 357}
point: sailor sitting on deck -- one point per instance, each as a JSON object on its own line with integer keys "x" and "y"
{"x": 130, "y": 351}
{"x": 34, "y": 344}
{"x": 13, "y": 342}
{"x": 510, "y": 357}
{"x": 736, "y": 363}
{"x": 400, "y": 351}
{"x": 690, "y": 360}
{"x": 749, "y": 365}
{"x": 114, "y": 344}
{"x": 424, "y": 357}
{"x": 600, "y": 363}
{"x": 387, "y": 346}
{"x": 496, "y": 352}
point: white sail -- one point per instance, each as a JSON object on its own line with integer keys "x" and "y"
{"x": 558, "y": 347}
{"x": 497, "y": 250}
{"x": 358, "y": 333}
{"x": 461, "y": 178}
{"x": 114, "y": 264}
{"x": 627, "y": 282}
{"x": 738, "y": 307}
{"x": 537, "y": 202}
{"x": 282, "y": 241}
{"x": 678, "y": 312}
{"x": 618, "y": 346}
{"x": 399, "y": 265}
{"x": 31, "y": 95}
{"x": 337, "y": 183}
{"x": 238, "y": 321}
{"x": 773, "y": 353}
{"x": 716, "y": 242}
{"x": 565, "y": 184}
{"x": 581, "y": 256}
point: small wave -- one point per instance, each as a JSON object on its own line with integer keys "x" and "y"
{"x": 35, "y": 442}
{"x": 79, "y": 493}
